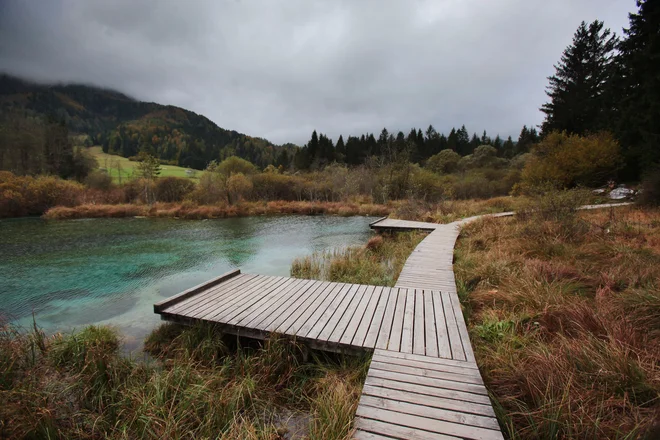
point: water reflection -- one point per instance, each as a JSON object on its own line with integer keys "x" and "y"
{"x": 111, "y": 271}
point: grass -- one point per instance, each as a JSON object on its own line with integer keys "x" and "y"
{"x": 379, "y": 262}
{"x": 201, "y": 384}
{"x": 192, "y": 211}
{"x": 563, "y": 311}
{"x": 117, "y": 165}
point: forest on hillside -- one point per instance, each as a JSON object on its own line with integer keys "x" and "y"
{"x": 600, "y": 126}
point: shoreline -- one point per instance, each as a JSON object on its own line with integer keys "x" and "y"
{"x": 189, "y": 211}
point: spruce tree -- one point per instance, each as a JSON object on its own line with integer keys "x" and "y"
{"x": 578, "y": 99}
{"x": 340, "y": 150}
{"x": 639, "y": 123}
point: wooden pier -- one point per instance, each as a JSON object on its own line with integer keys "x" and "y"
{"x": 423, "y": 382}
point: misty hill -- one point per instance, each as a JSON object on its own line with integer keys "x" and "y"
{"x": 125, "y": 126}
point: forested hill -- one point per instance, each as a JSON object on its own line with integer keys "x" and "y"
{"x": 126, "y": 126}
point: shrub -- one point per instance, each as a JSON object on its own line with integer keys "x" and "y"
{"x": 210, "y": 189}
{"x": 445, "y": 161}
{"x": 173, "y": 189}
{"x": 566, "y": 161}
{"x": 273, "y": 186}
{"x": 238, "y": 187}
{"x": 99, "y": 180}
{"x": 234, "y": 165}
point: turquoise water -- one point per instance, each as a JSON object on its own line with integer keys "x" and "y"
{"x": 111, "y": 271}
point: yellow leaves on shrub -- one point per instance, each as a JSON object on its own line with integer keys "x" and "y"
{"x": 568, "y": 160}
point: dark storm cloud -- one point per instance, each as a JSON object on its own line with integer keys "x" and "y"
{"x": 279, "y": 69}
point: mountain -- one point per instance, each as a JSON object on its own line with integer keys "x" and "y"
{"x": 126, "y": 126}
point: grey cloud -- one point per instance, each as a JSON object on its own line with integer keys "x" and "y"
{"x": 281, "y": 68}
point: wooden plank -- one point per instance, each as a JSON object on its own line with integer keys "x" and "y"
{"x": 249, "y": 303}
{"x": 408, "y": 323}
{"x": 270, "y": 307}
{"x": 352, "y": 326}
{"x": 392, "y": 430}
{"x": 452, "y": 328}
{"x": 394, "y": 342}
{"x": 418, "y": 416}
{"x": 262, "y": 307}
{"x": 315, "y": 307}
{"x": 280, "y": 310}
{"x": 421, "y": 372}
{"x": 334, "y": 333}
{"x": 485, "y": 412}
{"x": 444, "y": 350}
{"x": 379, "y": 296}
{"x": 429, "y": 322}
{"x": 228, "y": 307}
{"x": 192, "y": 303}
{"x": 323, "y": 312}
{"x": 438, "y": 427}
{"x": 427, "y": 359}
{"x": 364, "y": 435}
{"x": 428, "y": 406}
{"x": 282, "y": 323}
{"x": 326, "y": 326}
{"x": 462, "y": 328}
{"x": 388, "y": 317}
{"x": 481, "y": 401}
{"x": 220, "y": 298}
{"x": 419, "y": 340}
{"x": 160, "y": 305}
{"x": 470, "y": 372}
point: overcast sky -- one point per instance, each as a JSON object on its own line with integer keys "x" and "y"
{"x": 280, "y": 68}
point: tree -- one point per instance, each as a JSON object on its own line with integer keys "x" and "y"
{"x": 578, "y": 89}
{"x": 238, "y": 187}
{"x": 638, "y": 127}
{"x": 235, "y": 165}
{"x": 463, "y": 142}
{"x": 313, "y": 146}
{"x": 508, "y": 148}
{"x": 148, "y": 166}
{"x": 340, "y": 150}
{"x": 527, "y": 138}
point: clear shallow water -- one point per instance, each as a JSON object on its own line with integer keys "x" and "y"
{"x": 111, "y": 271}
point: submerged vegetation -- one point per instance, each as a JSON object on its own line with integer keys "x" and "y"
{"x": 562, "y": 310}
{"x": 199, "y": 385}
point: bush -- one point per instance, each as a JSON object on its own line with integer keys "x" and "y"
{"x": 272, "y": 186}
{"x": 99, "y": 180}
{"x": 173, "y": 189}
{"x": 566, "y": 161}
{"x": 25, "y": 195}
{"x": 210, "y": 189}
{"x": 445, "y": 162}
{"x": 238, "y": 187}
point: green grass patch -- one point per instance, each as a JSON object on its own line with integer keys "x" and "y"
{"x": 117, "y": 166}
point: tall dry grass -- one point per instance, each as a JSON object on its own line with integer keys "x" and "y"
{"x": 379, "y": 262}
{"x": 198, "y": 385}
{"x": 564, "y": 315}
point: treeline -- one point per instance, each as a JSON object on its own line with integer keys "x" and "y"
{"x": 604, "y": 82}
{"x": 125, "y": 126}
{"x": 32, "y": 146}
{"x": 416, "y": 147}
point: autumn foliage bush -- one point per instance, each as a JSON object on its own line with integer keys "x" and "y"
{"x": 26, "y": 195}
{"x": 566, "y": 161}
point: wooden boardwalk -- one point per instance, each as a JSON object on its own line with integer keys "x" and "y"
{"x": 423, "y": 381}
{"x": 414, "y": 396}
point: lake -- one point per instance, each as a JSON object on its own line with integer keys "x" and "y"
{"x": 111, "y": 271}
